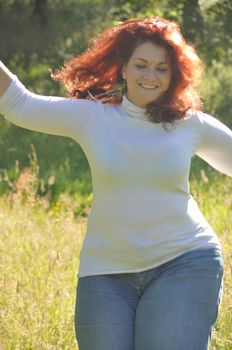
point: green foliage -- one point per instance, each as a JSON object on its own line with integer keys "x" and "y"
{"x": 47, "y": 189}
{"x": 217, "y": 39}
{"x": 38, "y": 36}
{"x": 64, "y": 161}
{"x": 216, "y": 88}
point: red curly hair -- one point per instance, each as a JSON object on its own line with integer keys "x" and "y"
{"x": 96, "y": 72}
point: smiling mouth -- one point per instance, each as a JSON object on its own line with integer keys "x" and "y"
{"x": 149, "y": 87}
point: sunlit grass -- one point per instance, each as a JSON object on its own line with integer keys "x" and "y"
{"x": 214, "y": 197}
{"x": 39, "y": 252}
{"x": 39, "y": 257}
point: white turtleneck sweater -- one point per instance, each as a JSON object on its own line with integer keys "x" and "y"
{"x": 142, "y": 213}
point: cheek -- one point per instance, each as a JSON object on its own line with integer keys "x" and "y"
{"x": 133, "y": 73}
{"x": 169, "y": 77}
{"x": 131, "y": 80}
{"x": 166, "y": 80}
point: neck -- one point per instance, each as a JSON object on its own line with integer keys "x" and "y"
{"x": 133, "y": 110}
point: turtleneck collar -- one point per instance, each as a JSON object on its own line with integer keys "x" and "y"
{"x": 132, "y": 110}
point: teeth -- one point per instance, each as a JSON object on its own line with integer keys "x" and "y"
{"x": 149, "y": 86}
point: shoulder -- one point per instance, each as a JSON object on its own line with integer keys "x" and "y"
{"x": 99, "y": 104}
{"x": 104, "y": 109}
{"x": 200, "y": 118}
{"x": 210, "y": 128}
{"x": 97, "y": 112}
{"x": 206, "y": 120}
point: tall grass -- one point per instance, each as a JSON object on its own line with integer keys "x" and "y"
{"x": 39, "y": 256}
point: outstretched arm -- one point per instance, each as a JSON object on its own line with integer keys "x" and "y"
{"x": 216, "y": 144}
{"x": 5, "y": 78}
{"x": 49, "y": 114}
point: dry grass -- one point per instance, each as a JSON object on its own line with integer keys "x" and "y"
{"x": 39, "y": 251}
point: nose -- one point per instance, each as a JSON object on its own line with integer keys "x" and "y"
{"x": 151, "y": 74}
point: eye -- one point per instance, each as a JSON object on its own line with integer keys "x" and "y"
{"x": 140, "y": 66}
{"x": 162, "y": 69}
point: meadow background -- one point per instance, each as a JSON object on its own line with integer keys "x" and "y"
{"x": 45, "y": 181}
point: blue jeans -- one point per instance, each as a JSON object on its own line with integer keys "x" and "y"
{"x": 171, "y": 307}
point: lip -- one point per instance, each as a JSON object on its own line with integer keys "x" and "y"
{"x": 148, "y": 86}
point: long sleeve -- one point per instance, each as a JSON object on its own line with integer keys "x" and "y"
{"x": 216, "y": 144}
{"x": 52, "y": 115}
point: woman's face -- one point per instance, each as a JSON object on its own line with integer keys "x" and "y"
{"x": 147, "y": 73}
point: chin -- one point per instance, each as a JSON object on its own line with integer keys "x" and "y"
{"x": 147, "y": 102}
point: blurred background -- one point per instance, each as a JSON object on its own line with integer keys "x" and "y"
{"x": 37, "y": 36}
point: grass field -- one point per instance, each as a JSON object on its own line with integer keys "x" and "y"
{"x": 39, "y": 256}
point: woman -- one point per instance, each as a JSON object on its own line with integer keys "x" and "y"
{"x": 151, "y": 266}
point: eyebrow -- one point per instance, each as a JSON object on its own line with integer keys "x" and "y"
{"x": 143, "y": 59}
